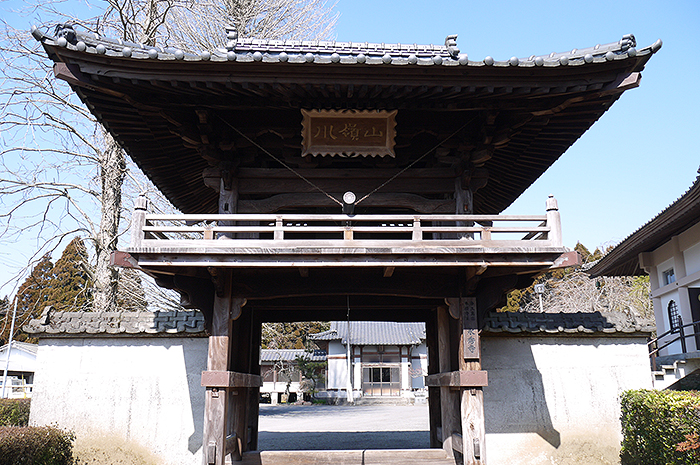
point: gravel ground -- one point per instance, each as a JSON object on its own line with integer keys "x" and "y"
{"x": 321, "y": 427}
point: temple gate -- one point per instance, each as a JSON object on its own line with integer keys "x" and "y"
{"x": 321, "y": 178}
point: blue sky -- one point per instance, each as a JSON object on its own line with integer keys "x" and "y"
{"x": 639, "y": 157}
{"x": 635, "y": 161}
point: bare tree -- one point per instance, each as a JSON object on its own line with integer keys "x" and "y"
{"x": 575, "y": 291}
{"x": 59, "y": 169}
{"x": 202, "y": 26}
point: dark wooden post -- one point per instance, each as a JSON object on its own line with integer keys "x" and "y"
{"x": 218, "y": 359}
{"x": 431, "y": 335}
{"x": 254, "y": 397}
{"x": 449, "y": 403}
{"x": 472, "y": 397}
{"x": 240, "y": 363}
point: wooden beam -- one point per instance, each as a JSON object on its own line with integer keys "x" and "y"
{"x": 413, "y": 202}
{"x": 469, "y": 378}
{"x": 230, "y": 379}
{"x": 275, "y": 181}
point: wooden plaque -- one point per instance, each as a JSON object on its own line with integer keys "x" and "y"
{"x": 348, "y": 133}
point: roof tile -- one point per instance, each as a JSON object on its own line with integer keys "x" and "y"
{"x": 132, "y": 324}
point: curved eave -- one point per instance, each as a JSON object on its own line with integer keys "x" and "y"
{"x": 565, "y": 93}
{"x": 623, "y": 260}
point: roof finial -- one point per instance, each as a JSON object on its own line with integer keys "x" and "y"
{"x": 451, "y": 44}
{"x": 231, "y": 37}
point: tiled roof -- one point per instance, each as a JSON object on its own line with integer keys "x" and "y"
{"x": 324, "y": 52}
{"x": 623, "y": 259}
{"x": 24, "y": 346}
{"x": 289, "y": 355}
{"x": 141, "y": 94}
{"x": 67, "y": 324}
{"x": 373, "y": 333}
{"x": 560, "y": 323}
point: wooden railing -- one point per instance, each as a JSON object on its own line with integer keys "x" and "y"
{"x": 310, "y": 228}
{"x": 678, "y": 333}
{"x": 298, "y": 230}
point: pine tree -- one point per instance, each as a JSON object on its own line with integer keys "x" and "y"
{"x": 70, "y": 282}
{"x": 34, "y": 293}
{"x": 32, "y": 296}
{"x": 290, "y": 335}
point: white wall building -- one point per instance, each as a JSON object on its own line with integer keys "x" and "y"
{"x": 388, "y": 359}
{"x": 279, "y": 380}
{"x": 667, "y": 248}
{"x": 20, "y": 369}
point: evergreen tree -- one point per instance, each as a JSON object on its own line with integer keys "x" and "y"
{"x": 70, "y": 281}
{"x": 290, "y": 335}
{"x": 35, "y": 292}
{"x": 32, "y": 296}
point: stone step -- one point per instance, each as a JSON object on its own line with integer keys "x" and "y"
{"x": 349, "y": 457}
{"x": 367, "y": 400}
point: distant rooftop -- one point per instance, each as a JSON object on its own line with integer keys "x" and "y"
{"x": 289, "y": 355}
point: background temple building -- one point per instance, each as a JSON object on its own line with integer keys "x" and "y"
{"x": 335, "y": 181}
{"x": 388, "y": 359}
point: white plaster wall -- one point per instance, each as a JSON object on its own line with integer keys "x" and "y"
{"x": 692, "y": 259}
{"x": 556, "y": 400}
{"x": 144, "y": 390}
{"x": 419, "y": 361}
{"x": 19, "y": 360}
{"x": 337, "y": 366}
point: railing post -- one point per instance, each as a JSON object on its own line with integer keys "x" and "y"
{"x": 417, "y": 232}
{"x": 682, "y": 335}
{"x": 138, "y": 221}
{"x": 554, "y": 222}
{"x": 279, "y": 232}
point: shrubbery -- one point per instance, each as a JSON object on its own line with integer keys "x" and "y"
{"x": 660, "y": 427}
{"x": 14, "y": 412}
{"x": 35, "y": 445}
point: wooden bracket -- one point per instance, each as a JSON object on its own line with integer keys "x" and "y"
{"x": 237, "y": 304}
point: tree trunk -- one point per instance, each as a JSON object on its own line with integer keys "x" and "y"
{"x": 112, "y": 172}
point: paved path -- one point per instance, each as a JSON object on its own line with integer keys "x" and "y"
{"x": 321, "y": 427}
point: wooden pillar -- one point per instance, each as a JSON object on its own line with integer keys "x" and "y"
{"x": 449, "y": 402}
{"x": 254, "y": 396}
{"x": 215, "y": 428}
{"x": 472, "y": 398}
{"x": 431, "y": 336}
{"x": 241, "y": 349}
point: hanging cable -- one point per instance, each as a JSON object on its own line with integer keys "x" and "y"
{"x": 413, "y": 163}
{"x": 349, "y": 356}
{"x": 265, "y": 151}
{"x": 416, "y": 160}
